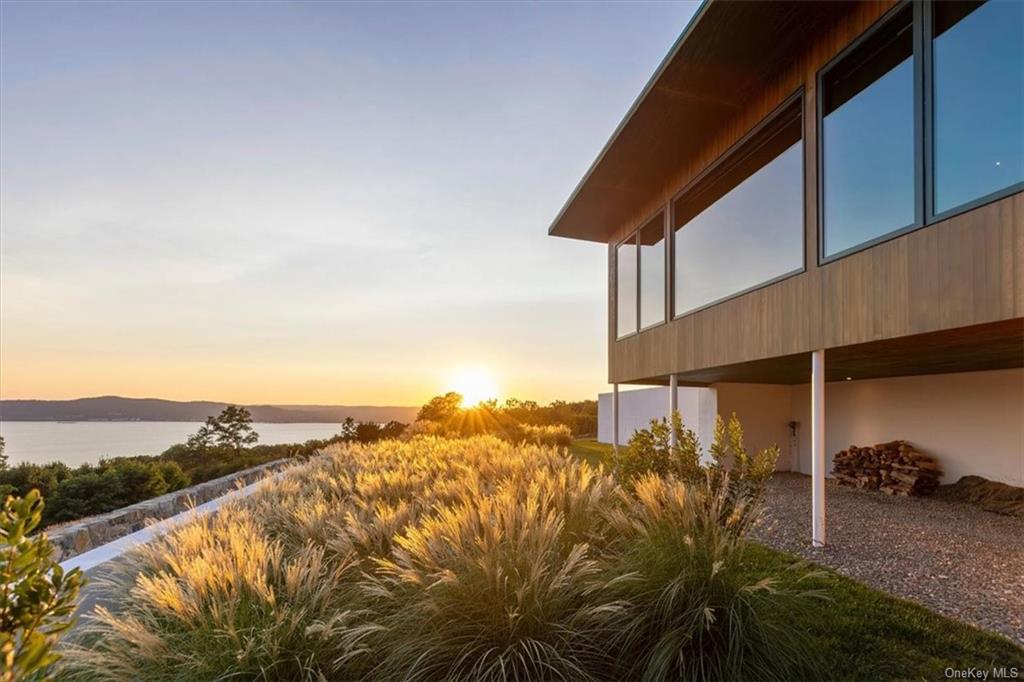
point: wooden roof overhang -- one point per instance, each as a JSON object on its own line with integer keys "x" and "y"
{"x": 727, "y": 51}
{"x": 990, "y": 346}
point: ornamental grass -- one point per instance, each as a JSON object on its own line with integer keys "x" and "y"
{"x": 437, "y": 559}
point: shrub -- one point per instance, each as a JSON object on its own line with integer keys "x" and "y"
{"x": 110, "y": 485}
{"x": 423, "y": 427}
{"x": 580, "y": 417}
{"x": 444, "y": 559}
{"x": 554, "y": 435}
{"x": 687, "y": 610}
{"x": 85, "y": 494}
{"x": 24, "y": 477}
{"x": 651, "y": 451}
{"x": 727, "y": 464}
{"x": 37, "y": 599}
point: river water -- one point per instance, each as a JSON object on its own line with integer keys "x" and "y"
{"x": 76, "y": 443}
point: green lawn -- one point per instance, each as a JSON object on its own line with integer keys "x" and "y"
{"x": 866, "y": 634}
{"x": 863, "y": 633}
{"x": 593, "y": 452}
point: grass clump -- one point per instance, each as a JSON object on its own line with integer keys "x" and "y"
{"x": 439, "y": 559}
{"x": 689, "y": 609}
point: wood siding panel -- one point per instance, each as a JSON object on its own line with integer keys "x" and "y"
{"x": 962, "y": 272}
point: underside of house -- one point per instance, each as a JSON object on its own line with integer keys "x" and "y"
{"x": 815, "y": 220}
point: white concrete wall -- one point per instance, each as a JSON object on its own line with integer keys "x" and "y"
{"x": 972, "y": 422}
{"x": 765, "y": 412}
{"x": 637, "y": 407}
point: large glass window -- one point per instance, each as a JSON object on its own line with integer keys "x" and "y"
{"x": 868, "y": 135}
{"x": 652, "y": 272}
{"x": 978, "y": 80}
{"x": 742, "y": 225}
{"x": 625, "y": 287}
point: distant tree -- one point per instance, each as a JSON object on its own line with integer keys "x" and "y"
{"x": 441, "y": 408}
{"x": 3, "y": 455}
{"x": 231, "y": 428}
{"x": 367, "y": 432}
{"x": 349, "y": 429}
{"x": 202, "y": 439}
{"x": 393, "y": 429}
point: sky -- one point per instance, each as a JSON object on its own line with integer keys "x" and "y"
{"x": 307, "y": 202}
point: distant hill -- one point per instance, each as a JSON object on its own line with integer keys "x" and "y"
{"x": 114, "y": 408}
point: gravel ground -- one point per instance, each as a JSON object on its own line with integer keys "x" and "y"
{"x": 955, "y": 559}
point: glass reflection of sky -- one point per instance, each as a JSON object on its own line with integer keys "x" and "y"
{"x": 979, "y": 104}
{"x": 751, "y": 235}
{"x": 625, "y": 279}
{"x": 869, "y": 162}
{"x": 652, "y": 279}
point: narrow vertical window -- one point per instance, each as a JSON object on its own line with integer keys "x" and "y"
{"x": 978, "y": 100}
{"x": 868, "y": 134}
{"x": 652, "y": 272}
{"x": 625, "y": 287}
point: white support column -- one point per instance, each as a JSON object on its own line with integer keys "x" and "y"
{"x": 615, "y": 417}
{"x": 818, "y": 448}
{"x": 673, "y": 404}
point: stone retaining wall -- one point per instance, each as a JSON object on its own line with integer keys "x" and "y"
{"x": 88, "y": 533}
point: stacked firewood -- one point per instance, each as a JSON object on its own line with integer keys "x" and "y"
{"x": 895, "y": 468}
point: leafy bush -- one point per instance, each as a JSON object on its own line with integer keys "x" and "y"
{"x": 555, "y": 435}
{"x": 423, "y": 427}
{"x": 580, "y": 416}
{"x": 110, "y": 485}
{"x": 22, "y": 478}
{"x": 37, "y": 599}
{"x": 93, "y": 489}
{"x": 651, "y": 451}
{"x": 447, "y": 559}
{"x": 727, "y": 464}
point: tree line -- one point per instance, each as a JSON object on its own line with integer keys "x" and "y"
{"x": 516, "y": 420}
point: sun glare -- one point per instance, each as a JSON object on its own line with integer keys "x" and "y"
{"x": 474, "y": 384}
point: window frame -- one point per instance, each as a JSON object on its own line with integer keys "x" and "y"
{"x": 928, "y": 52}
{"x": 634, "y": 236}
{"x": 924, "y": 138}
{"x": 665, "y": 269}
{"x": 879, "y": 25}
{"x": 794, "y": 99}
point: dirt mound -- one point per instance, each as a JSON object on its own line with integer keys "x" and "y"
{"x": 989, "y": 495}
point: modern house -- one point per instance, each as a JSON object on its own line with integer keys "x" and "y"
{"x": 814, "y": 212}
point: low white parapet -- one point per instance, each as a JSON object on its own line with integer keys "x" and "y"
{"x": 637, "y": 407}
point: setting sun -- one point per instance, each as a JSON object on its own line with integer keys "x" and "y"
{"x": 474, "y": 384}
